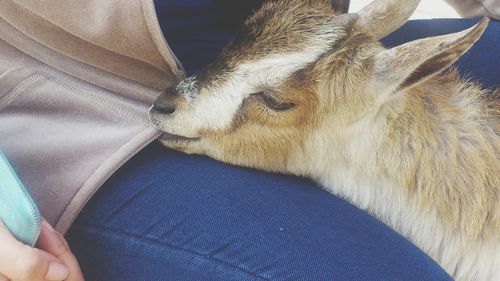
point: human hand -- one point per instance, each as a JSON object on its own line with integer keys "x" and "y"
{"x": 52, "y": 260}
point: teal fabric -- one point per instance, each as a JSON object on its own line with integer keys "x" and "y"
{"x": 17, "y": 209}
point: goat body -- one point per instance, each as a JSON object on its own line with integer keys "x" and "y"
{"x": 306, "y": 91}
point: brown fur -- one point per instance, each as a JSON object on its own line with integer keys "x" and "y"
{"x": 438, "y": 137}
{"x": 439, "y": 142}
{"x": 443, "y": 148}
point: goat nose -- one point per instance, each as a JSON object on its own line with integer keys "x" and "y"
{"x": 163, "y": 107}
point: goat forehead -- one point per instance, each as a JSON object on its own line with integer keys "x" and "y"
{"x": 277, "y": 67}
{"x": 280, "y": 25}
{"x": 274, "y": 58}
{"x": 251, "y": 76}
{"x": 303, "y": 43}
{"x": 274, "y": 43}
{"x": 279, "y": 39}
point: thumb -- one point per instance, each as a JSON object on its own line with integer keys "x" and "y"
{"x": 21, "y": 262}
{"x": 3, "y": 277}
{"x": 54, "y": 243}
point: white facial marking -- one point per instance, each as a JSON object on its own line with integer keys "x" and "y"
{"x": 217, "y": 110}
{"x": 188, "y": 86}
{"x": 208, "y": 111}
{"x": 216, "y": 107}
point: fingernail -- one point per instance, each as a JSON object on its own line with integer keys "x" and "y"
{"x": 57, "y": 272}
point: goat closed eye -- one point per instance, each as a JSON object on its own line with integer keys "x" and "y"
{"x": 273, "y": 103}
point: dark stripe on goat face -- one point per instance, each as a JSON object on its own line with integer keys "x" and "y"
{"x": 213, "y": 74}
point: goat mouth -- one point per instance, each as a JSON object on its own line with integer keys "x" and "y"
{"x": 168, "y": 137}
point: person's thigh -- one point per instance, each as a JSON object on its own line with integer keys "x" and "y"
{"x": 170, "y": 216}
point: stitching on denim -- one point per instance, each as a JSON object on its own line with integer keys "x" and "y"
{"x": 164, "y": 244}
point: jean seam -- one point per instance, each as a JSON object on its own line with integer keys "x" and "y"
{"x": 164, "y": 244}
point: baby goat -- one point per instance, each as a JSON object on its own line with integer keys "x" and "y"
{"x": 305, "y": 91}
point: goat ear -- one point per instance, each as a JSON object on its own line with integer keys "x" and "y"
{"x": 381, "y": 17}
{"x": 409, "y": 64}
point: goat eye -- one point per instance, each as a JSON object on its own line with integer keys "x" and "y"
{"x": 273, "y": 103}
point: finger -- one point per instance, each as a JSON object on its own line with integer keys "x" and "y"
{"x": 3, "y": 277}
{"x": 54, "y": 243}
{"x": 75, "y": 273}
{"x": 22, "y": 263}
{"x": 51, "y": 241}
{"x": 58, "y": 270}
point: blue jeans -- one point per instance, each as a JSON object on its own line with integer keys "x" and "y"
{"x": 170, "y": 216}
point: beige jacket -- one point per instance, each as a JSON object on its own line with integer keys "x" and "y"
{"x": 76, "y": 80}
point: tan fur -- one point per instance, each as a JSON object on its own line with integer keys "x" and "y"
{"x": 419, "y": 151}
{"x": 443, "y": 148}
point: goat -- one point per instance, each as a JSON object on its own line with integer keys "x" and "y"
{"x": 304, "y": 90}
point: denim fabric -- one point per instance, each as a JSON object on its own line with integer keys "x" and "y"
{"x": 170, "y": 216}
{"x": 198, "y": 29}
{"x": 195, "y": 30}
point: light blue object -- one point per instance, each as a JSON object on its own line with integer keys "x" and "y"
{"x": 18, "y": 211}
